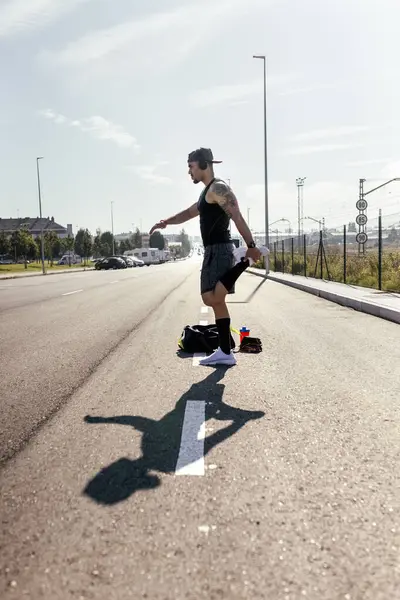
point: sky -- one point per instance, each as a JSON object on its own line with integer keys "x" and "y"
{"x": 115, "y": 94}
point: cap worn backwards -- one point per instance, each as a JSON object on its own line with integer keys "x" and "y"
{"x": 203, "y": 155}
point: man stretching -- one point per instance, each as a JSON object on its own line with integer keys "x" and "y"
{"x": 216, "y": 206}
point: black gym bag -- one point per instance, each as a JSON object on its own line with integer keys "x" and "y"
{"x": 200, "y": 338}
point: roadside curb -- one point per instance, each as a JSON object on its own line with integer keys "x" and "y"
{"x": 364, "y": 306}
{"x": 60, "y": 272}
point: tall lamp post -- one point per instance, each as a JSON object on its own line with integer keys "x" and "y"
{"x": 321, "y": 222}
{"x": 263, "y": 58}
{"x": 40, "y": 214}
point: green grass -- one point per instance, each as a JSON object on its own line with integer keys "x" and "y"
{"x": 361, "y": 270}
{"x": 37, "y": 268}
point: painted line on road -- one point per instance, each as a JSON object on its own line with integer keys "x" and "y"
{"x": 197, "y": 356}
{"x": 191, "y": 451}
{"x": 204, "y": 310}
{"x": 74, "y": 292}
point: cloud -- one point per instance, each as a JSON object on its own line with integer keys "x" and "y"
{"x": 391, "y": 170}
{"x": 366, "y": 163}
{"x": 225, "y": 93}
{"x": 147, "y": 172}
{"x": 161, "y": 38}
{"x": 331, "y": 200}
{"x": 321, "y": 148}
{"x": 320, "y": 134}
{"x": 235, "y": 94}
{"x": 308, "y": 89}
{"x": 97, "y": 127}
{"x": 19, "y": 16}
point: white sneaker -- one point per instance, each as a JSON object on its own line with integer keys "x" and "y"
{"x": 240, "y": 253}
{"x": 218, "y": 358}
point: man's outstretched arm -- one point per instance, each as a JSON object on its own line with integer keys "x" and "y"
{"x": 182, "y": 217}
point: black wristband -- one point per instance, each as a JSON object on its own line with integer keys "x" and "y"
{"x": 251, "y": 245}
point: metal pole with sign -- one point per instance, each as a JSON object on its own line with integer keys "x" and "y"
{"x": 362, "y": 219}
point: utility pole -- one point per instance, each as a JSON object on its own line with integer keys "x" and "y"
{"x": 40, "y": 215}
{"x": 112, "y": 226}
{"x": 362, "y": 218}
{"x": 264, "y": 59}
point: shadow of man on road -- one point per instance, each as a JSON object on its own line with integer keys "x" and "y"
{"x": 161, "y": 442}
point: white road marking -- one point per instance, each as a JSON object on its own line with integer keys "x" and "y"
{"x": 205, "y": 322}
{"x": 191, "y": 452}
{"x": 204, "y": 310}
{"x": 70, "y": 293}
{"x": 197, "y": 356}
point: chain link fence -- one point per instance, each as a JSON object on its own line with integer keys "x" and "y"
{"x": 336, "y": 256}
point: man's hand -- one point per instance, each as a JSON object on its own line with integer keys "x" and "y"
{"x": 160, "y": 225}
{"x": 253, "y": 253}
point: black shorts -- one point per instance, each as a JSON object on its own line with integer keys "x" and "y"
{"x": 218, "y": 260}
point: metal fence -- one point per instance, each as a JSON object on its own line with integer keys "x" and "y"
{"x": 338, "y": 257}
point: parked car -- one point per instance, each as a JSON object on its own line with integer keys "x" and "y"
{"x": 137, "y": 262}
{"x": 5, "y": 259}
{"x": 127, "y": 259}
{"x": 113, "y": 262}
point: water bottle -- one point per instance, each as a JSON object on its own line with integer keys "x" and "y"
{"x": 244, "y": 332}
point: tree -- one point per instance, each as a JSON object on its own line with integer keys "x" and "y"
{"x": 124, "y": 246}
{"x": 136, "y": 239}
{"x": 57, "y": 247}
{"x": 50, "y": 242}
{"x": 67, "y": 245}
{"x": 84, "y": 243}
{"x": 106, "y": 243}
{"x": 87, "y": 244}
{"x": 393, "y": 235}
{"x": 184, "y": 239}
{"x": 5, "y": 246}
{"x": 157, "y": 240}
{"x": 97, "y": 250}
{"x": 22, "y": 243}
{"x": 38, "y": 248}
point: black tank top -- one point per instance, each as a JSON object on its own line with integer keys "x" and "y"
{"x": 214, "y": 222}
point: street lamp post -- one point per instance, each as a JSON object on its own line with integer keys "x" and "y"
{"x": 320, "y": 222}
{"x": 300, "y": 203}
{"x": 263, "y": 58}
{"x": 230, "y": 220}
{"x": 40, "y": 215}
{"x": 112, "y": 226}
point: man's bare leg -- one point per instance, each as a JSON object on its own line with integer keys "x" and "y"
{"x": 216, "y": 299}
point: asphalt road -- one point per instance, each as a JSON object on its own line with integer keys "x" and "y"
{"x": 296, "y": 494}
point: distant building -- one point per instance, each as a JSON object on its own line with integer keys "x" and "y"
{"x": 34, "y": 226}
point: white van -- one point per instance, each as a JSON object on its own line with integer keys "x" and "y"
{"x": 150, "y": 256}
{"x": 70, "y": 259}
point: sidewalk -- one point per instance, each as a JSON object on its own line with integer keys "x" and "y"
{"x": 56, "y": 272}
{"x": 385, "y": 305}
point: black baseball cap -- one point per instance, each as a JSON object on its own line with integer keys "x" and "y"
{"x": 203, "y": 155}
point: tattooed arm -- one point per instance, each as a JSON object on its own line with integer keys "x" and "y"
{"x": 220, "y": 193}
